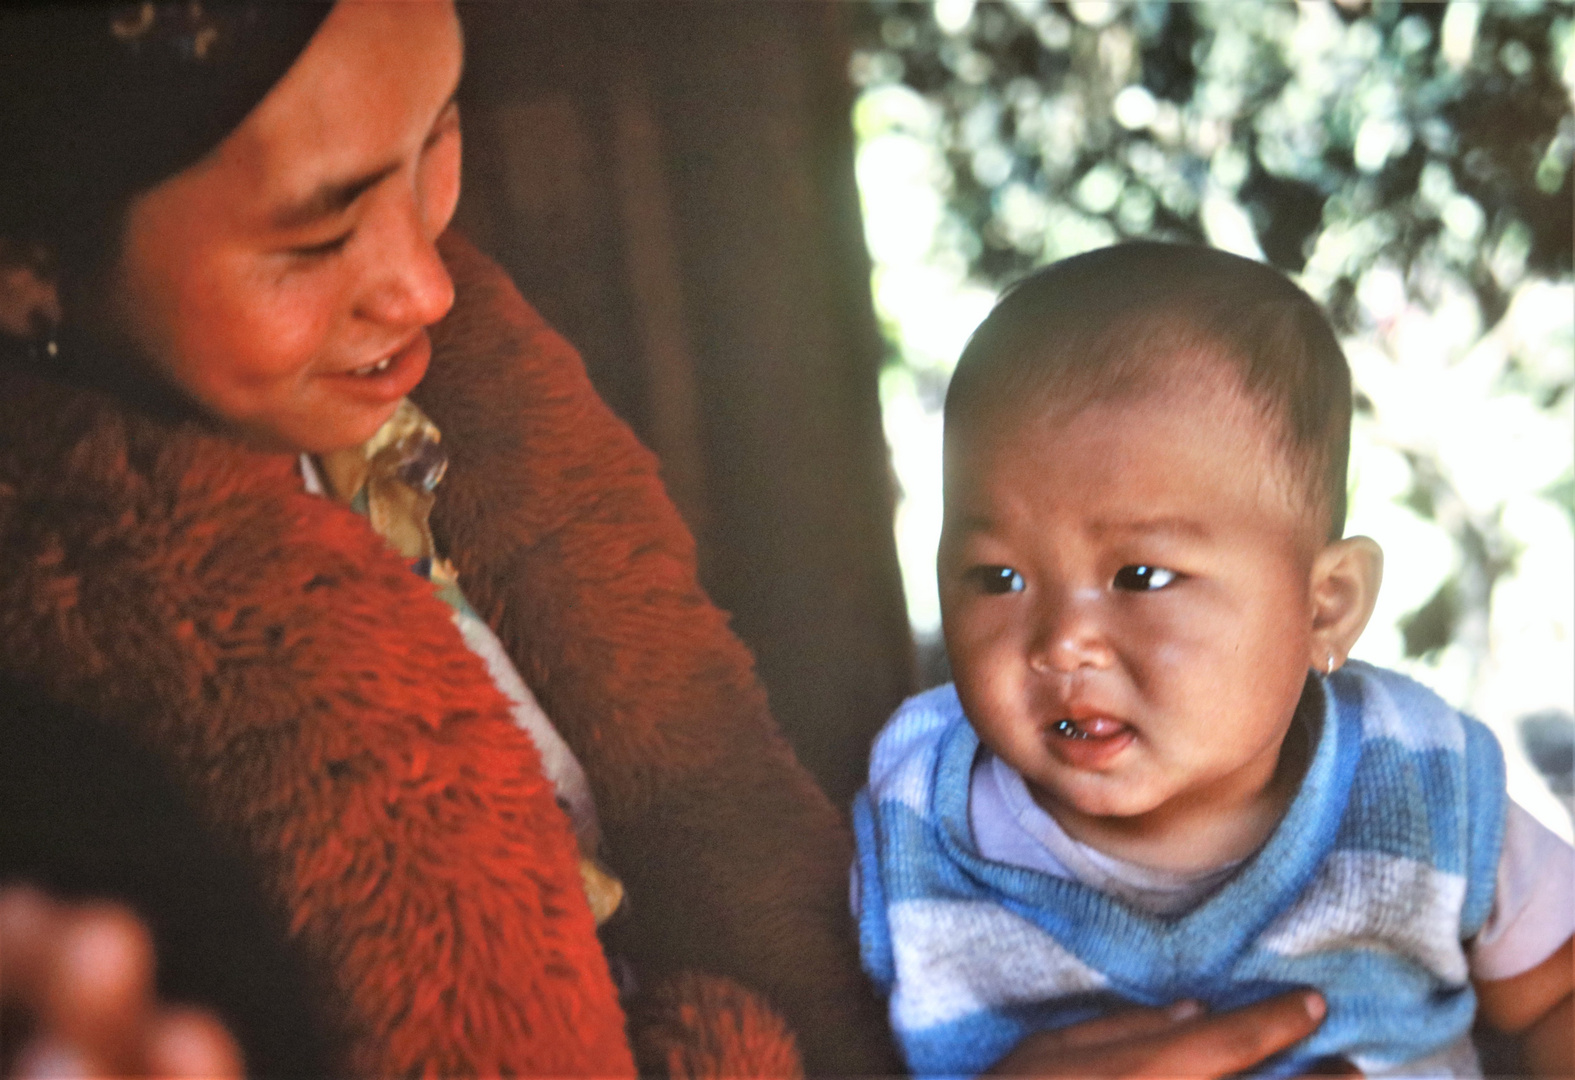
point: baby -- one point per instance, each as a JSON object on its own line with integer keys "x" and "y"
{"x": 1157, "y": 777}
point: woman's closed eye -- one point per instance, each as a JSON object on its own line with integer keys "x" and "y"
{"x": 446, "y": 124}
{"x": 1144, "y": 578}
{"x": 995, "y": 580}
{"x": 331, "y": 246}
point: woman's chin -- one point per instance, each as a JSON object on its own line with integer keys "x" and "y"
{"x": 316, "y": 433}
{"x": 346, "y": 435}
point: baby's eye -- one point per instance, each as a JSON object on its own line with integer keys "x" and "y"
{"x": 995, "y": 580}
{"x": 1143, "y": 578}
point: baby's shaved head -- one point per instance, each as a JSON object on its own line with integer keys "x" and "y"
{"x": 1137, "y": 318}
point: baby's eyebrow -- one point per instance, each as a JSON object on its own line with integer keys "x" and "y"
{"x": 1170, "y": 525}
{"x": 968, "y": 523}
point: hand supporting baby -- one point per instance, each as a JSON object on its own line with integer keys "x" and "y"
{"x": 1178, "y": 1041}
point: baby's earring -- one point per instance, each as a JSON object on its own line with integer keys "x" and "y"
{"x": 1329, "y": 668}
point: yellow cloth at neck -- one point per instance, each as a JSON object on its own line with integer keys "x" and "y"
{"x": 392, "y": 478}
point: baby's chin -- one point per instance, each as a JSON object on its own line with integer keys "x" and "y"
{"x": 1100, "y": 796}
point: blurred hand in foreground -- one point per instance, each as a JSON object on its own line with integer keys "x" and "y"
{"x": 77, "y": 998}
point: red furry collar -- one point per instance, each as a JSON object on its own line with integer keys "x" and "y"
{"x": 188, "y": 590}
{"x": 171, "y": 582}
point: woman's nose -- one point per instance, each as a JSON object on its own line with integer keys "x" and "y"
{"x": 410, "y": 287}
{"x": 1071, "y": 636}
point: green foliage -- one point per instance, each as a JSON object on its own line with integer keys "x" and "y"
{"x": 1427, "y": 134}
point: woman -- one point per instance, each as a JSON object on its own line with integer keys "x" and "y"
{"x": 308, "y": 693}
{"x": 225, "y": 250}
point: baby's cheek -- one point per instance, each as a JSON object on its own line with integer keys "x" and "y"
{"x": 1167, "y": 671}
{"x": 990, "y": 701}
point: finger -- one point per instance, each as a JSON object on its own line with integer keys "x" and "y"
{"x": 50, "y": 1059}
{"x": 1230, "y": 1042}
{"x": 98, "y": 989}
{"x": 27, "y": 926}
{"x": 1335, "y": 1066}
{"x": 1126, "y": 1025}
{"x": 192, "y": 1043}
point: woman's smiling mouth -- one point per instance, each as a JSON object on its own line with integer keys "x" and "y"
{"x": 391, "y": 377}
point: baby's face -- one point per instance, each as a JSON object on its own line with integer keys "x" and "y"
{"x": 1125, "y": 593}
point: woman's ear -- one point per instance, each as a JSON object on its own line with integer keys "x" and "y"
{"x": 29, "y": 294}
{"x": 1345, "y": 579}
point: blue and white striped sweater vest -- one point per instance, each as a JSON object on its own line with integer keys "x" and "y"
{"x": 1383, "y": 866}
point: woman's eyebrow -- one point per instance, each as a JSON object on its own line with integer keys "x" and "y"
{"x": 448, "y": 106}
{"x": 330, "y": 198}
{"x": 335, "y": 196}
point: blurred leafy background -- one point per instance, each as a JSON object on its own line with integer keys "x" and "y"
{"x": 1408, "y": 163}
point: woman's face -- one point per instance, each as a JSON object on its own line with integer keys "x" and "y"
{"x": 286, "y": 281}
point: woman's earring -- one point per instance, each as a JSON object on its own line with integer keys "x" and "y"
{"x": 45, "y": 347}
{"x": 1329, "y": 670}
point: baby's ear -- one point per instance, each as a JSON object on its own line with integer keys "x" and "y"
{"x": 1345, "y": 579}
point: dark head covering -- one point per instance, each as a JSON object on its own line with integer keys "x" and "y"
{"x": 99, "y": 101}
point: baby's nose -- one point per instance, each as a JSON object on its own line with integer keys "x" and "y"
{"x": 1072, "y": 637}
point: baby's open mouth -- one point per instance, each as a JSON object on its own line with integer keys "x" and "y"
{"x": 1091, "y": 742}
{"x": 1098, "y": 727}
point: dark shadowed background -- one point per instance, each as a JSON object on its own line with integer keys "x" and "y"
{"x": 671, "y": 184}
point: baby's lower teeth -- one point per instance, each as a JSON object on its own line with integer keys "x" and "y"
{"x": 1068, "y": 729}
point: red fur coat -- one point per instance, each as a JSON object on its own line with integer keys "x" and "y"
{"x": 312, "y": 700}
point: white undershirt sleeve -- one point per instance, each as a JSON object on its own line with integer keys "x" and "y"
{"x": 1534, "y": 905}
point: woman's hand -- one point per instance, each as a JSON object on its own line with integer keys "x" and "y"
{"x": 1174, "y": 1042}
{"x": 76, "y": 983}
